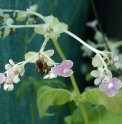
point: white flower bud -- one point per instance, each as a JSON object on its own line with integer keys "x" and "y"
{"x": 8, "y": 66}
{"x": 9, "y": 21}
{"x": 11, "y": 62}
{"x": 94, "y": 73}
{"x": 8, "y": 80}
{"x": 97, "y": 81}
{"x": 8, "y": 87}
{"x": 16, "y": 79}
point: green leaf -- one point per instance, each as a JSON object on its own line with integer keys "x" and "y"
{"x": 67, "y": 119}
{"x": 96, "y": 96}
{"x": 48, "y": 96}
{"x": 23, "y": 87}
{"x": 96, "y": 114}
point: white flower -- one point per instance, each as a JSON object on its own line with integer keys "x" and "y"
{"x": 45, "y": 55}
{"x": 99, "y": 75}
{"x": 115, "y": 60}
{"x": 8, "y": 87}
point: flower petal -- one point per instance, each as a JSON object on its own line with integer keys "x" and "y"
{"x": 67, "y": 64}
{"x": 8, "y": 66}
{"x": 67, "y": 74}
{"x": 117, "y": 83}
{"x": 104, "y": 86}
{"x": 2, "y": 78}
{"x": 8, "y": 87}
{"x": 97, "y": 81}
{"x": 16, "y": 79}
{"x": 57, "y": 70}
{"x": 30, "y": 55}
{"x": 95, "y": 73}
{"x": 112, "y": 92}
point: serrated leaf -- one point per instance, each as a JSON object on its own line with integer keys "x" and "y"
{"x": 96, "y": 96}
{"x": 23, "y": 87}
{"x": 47, "y": 96}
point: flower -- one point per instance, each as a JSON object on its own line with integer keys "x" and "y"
{"x": 110, "y": 86}
{"x": 99, "y": 74}
{"x": 2, "y": 78}
{"x": 63, "y": 69}
{"x": 115, "y": 60}
{"x": 37, "y": 55}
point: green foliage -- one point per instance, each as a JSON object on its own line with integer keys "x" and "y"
{"x": 97, "y": 115}
{"x": 36, "y": 84}
{"x": 23, "y": 87}
{"x": 48, "y": 96}
{"x": 96, "y": 96}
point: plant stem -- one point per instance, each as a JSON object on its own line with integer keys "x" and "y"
{"x": 32, "y": 107}
{"x": 83, "y": 110}
{"x": 44, "y": 44}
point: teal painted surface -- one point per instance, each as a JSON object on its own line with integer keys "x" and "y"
{"x": 72, "y": 12}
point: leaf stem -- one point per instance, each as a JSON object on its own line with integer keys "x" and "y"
{"x": 72, "y": 78}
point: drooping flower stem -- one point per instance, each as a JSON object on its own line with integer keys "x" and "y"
{"x": 44, "y": 44}
{"x": 72, "y": 78}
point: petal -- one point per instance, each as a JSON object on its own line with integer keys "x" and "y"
{"x": 31, "y": 54}
{"x": 117, "y": 65}
{"x": 8, "y": 66}
{"x": 8, "y": 87}
{"x": 117, "y": 83}
{"x": 104, "y": 86}
{"x": 108, "y": 79}
{"x": 2, "y": 78}
{"x": 116, "y": 58}
{"x": 108, "y": 72}
{"x": 67, "y": 74}
{"x": 11, "y": 62}
{"x": 95, "y": 73}
{"x": 21, "y": 70}
{"x": 16, "y": 79}
{"x": 57, "y": 70}
{"x": 49, "y": 52}
{"x": 97, "y": 81}
{"x": 67, "y": 64}
{"x": 112, "y": 92}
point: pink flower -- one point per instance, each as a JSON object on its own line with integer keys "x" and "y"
{"x": 2, "y": 78}
{"x": 110, "y": 86}
{"x": 63, "y": 69}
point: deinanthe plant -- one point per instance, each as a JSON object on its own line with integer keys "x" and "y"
{"x": 52, "y": 29}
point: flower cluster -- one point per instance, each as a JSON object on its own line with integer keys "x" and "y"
{"x": 43, "y": 64}
{"x": 12, "y": 75}
{"x": 102, "y": 74}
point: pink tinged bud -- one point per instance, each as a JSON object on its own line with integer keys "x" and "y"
{"x": 8, "y": 80}
{"x": 8, "y": 87}
{"x": 63, "y": 69}
{"x": 2, "y": 78}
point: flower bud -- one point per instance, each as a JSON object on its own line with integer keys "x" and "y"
{"x": 8, "y": 87}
